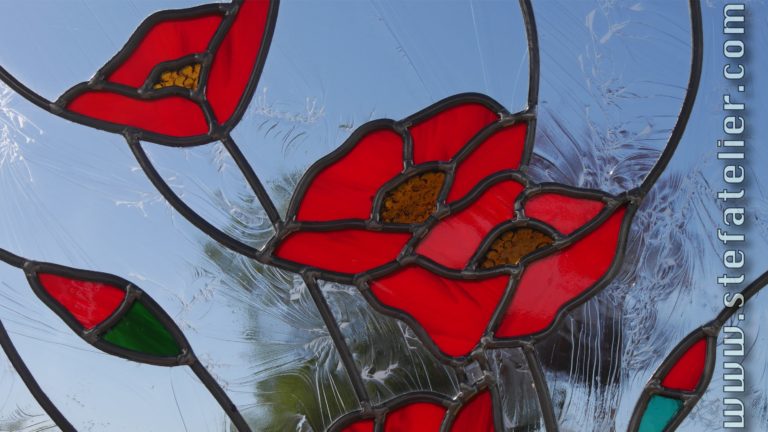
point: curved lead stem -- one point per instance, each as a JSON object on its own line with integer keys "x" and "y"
{"x": 253, "y": 180}
{"x": 542, "y": 391}
{"x": 697, "y": 58}
{"x": 689, "y": 397}
{"x": 178, "y": 204}
{"x": 746, "y": 294}
{"x": 221, "y": 397}
{"x": 338, "y": 340}
{"x": 21, "y": 368}
{"x": 533, "y": 54}
{"x": 31, "y": 383}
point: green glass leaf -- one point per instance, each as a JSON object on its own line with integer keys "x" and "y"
{"x": 660, "y": 411}
{"x": 139, "y": 330}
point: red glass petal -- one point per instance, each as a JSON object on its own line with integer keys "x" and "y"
{"x": 454, "y": 312}
{"x": 416, "y": 417}
{"x": 455, "y": 239}
{"x": 566, "y": 214}
{"x": 687, "y": 372}
{"x": 360, "y": 426}
{"x": 346, "y": 188}
{"x": 554, "y": 281}
{"x": 501, "y": 151}
{"x": 441, "y": 136}
{"x": 88, "y": 302}
{"x": 475, "y": 416}
{"x": 236, "y": 58}
{"x": 167, "y": 40}
{"x": 346, "y": 251}
{"x": 173, "y": 115}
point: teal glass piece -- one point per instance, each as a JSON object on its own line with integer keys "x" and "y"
{"x": 659, "y": 413}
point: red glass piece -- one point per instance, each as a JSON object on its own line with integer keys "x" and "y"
{"x": 564, "y": 213}
{"x": 455, "y": 239}
{"x": 556, "y": 280}
{"x": 687, "y": 372}
{"x": 346, "y": 251}
{"x": 165, "y": 41}
{"x": 360, "y": 426}
{"x": 501, "y": 151}
{"x": 88, "y": 302}
{"x": 476, "y": 415}
{"x": 346, "y": 189}
{"x": 235, "y": 59}
{"x": 416, "y": 417}
{"x": 453, "y": 312}
{"x": 441, "y": 136}
{"x": 172, "y": 115}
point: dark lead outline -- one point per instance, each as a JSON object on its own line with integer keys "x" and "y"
{"x": 689, "y": 399}
{"x": 29, "y": 380}
{"x": 599, "y": 285}
{"x": 132, "y": 294}
{"x": 134, "y": 135}
{"x": 216, "y": 130}
{"x": 452, "y": 407}
{"x": 334, "y": 331}
{"x": 710, "y": 332}
{"x": 93, "y": 336}
{"x": 487, "y": 340}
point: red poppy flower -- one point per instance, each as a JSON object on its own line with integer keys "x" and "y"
{"x": 184, "y": 77}
{"x": 435, "y": 219}
{"x": 428, "y": 415}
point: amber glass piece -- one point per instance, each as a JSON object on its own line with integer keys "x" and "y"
{"x": 186, "y": 77}
{"x": 169, "y": 39}
{"x": 413, "y": 200}
{"x": 559, "y": 279}
{"x": 455, "y": 240}
{"x": 510, "y": 247}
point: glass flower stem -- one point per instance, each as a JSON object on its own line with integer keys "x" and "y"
{"x": 542, "y": 390}
{"x": 345, "y": 354}
{"x": 221, "y": 397}
{"x": 178, "y": 204}
{"x": 26, "y": 376}
{"x": 253, "y": 180}
{"x": 21, "y": 368}
{"x": 189, "y": 359}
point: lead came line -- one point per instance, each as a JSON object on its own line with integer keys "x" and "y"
{"x": 338, "y": 339}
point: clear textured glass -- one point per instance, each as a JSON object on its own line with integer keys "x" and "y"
{"x": 613, "y": 76}
{"x": 207, "y": 180}
{"x": 391, "y": 358}
{"x": 519, "y": 400}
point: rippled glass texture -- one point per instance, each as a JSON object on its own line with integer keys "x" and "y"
{"x": 320, "y": 196}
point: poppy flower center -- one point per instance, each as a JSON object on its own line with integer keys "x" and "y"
{"x": 511, "y": 246}
{"x": 413, "y": 200}
{"x": 186, "y": 77}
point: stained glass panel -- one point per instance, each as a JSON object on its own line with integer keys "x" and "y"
{"x": 380, "y": 216}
